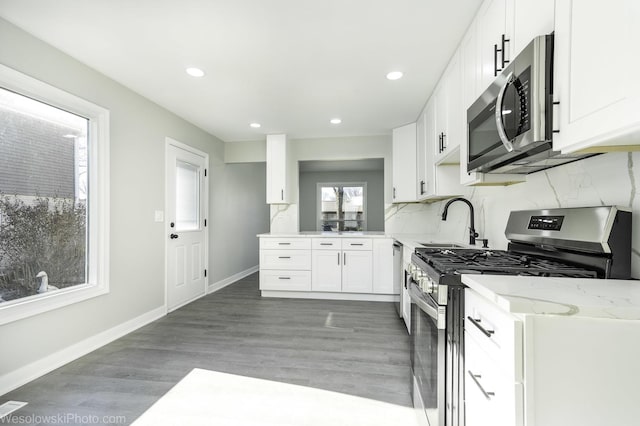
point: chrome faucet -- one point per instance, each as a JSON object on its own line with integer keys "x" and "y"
{"x": 472, "y": 230}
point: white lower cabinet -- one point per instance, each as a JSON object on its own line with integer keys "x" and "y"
{"x": 351, "y": 266}
{"x": 548, "y": 370}
{"x": 357, "y": 271}
{"x": 493, "y": 364}
{"x": 326, "y": 270}
{"x": 348, "y": 271}
{"x": 285, "y": 264}
{"x": 285, "y": 280}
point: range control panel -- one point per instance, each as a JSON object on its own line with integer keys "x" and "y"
{"x": 546, "y": 223}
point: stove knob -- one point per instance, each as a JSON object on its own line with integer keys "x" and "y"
{"x": 418, "y": 274}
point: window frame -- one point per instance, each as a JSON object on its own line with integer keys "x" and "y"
{"x": 319, "y": 186}
{"x": 97, "y": 282}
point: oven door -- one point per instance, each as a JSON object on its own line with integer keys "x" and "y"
{"x": 428, "y": 341}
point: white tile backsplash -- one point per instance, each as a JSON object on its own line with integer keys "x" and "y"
{"x": 608, "y": 179}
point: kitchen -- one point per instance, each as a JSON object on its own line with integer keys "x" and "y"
{"x": 607, "y": 179}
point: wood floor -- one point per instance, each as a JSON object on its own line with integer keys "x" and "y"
{"x": 358, "y": 348}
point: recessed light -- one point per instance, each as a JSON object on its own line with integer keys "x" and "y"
{"x": 336, "y": 121}
{"x": 394, "y": 75}
{"x": 69, "y": 136}
{"x": 255, "y": 125}
{"x": 195, "y": 72}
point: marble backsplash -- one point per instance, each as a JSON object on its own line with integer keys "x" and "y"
{"x": 608, "y": 179}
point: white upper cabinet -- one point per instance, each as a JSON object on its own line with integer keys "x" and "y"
{"x": 404, "y": 163}
{"x": 277, "y": 173}
{"x": 531, "y": 18}
{"x": 505, "y": 27}
{"x": 596, "y": 58}
{"x": 450, "y": 122}
{"x": 492, "y": 36}
{"x": 437, "y": 180}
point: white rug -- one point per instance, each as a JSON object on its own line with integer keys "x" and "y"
{"x": 210, "y": 398}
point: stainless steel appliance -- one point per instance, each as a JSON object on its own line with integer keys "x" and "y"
{"x": 588, "y": 242}
{"x": 398, "y": 275}
{"x": 510, "y": 125}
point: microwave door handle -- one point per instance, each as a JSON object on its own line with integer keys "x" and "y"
{"x": 501, "y": 132}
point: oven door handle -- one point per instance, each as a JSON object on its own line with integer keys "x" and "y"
{"x": 499, "y": 123}
{"x": 437, "y": 313}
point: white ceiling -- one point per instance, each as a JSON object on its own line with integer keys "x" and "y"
{"x": 291, "y": 65}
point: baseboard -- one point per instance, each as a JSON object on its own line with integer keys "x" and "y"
{"x": 232, "y": 279}
{"x": 24, "y": 375}
{"x": 363, "y": 297}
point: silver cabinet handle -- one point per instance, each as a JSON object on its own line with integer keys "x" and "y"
{"x": 498, "y": 113}
{"x": 284, "y": 244}
{"x": 357, "y": 244}
{"x": 475, "y": 378}
{"x": 284, "y": 278}
{"x": 476, "y": 322}
{"x": 344, "y": 262}
{"x": 338, "y": 258}
{"x": 326, "y": 244}
{"x": 284, "y": 257}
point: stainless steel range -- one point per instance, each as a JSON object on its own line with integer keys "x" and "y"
{"x": 586, "y": 242}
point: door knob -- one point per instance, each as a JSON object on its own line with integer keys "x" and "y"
{"x": 173, "y": 236}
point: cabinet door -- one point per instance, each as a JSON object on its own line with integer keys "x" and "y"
{"x": 277, "y": 188}
{"x": 453, "y": 130}
{"x": 594, "y": 74}
{"x": 357, "y": 271}
{"x": 404, "y": 163}
{"x": 532, "y": 18}
{"x": 326, "y": 270}
{"x": 383, "y": 261}
{"x": 421, "y": 156}
{"x": 491, "y": 26}
{"x": 430, "y": 141}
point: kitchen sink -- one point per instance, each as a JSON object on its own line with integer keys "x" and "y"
{"x": 442, "y": 245}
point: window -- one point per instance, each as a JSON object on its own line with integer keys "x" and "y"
{"x": 54, "y": 151}
{"x": 342, "y": 207}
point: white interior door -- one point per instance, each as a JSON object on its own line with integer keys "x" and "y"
{"x": 186, "y": 195}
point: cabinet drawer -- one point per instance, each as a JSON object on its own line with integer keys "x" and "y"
{"x": 490, "y": 396}
{"x": 285, "y": 280}
{"x": 326, "y": 243}
{"x": 498, "y": 333}
{"x": 357, "y": 244}
{"x": 285, "y": 259}
{"x": 285, "y": 243}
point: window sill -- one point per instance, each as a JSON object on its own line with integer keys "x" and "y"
{"x": 34, "y": 305}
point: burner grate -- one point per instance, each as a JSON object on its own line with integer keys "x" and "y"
{"x": 469, "y": 261}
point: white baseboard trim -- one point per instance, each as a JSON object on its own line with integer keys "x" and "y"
{"x": 365, "y": 297}
{"x": 24, "y": 375}
{"x": 213, "y": 287}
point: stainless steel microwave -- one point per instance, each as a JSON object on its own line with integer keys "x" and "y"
{"x": 510, "y": 125}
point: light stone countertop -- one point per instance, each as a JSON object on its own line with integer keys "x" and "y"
{"x": 594, "y": 298}
{"x": 410, "y": 240}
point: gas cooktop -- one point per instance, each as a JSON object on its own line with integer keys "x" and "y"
{"x": 497, "y": 262}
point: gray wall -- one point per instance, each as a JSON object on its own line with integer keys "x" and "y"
{"x": 240, "y": 212}
{"x": 309, "y": 203}
{"x": 138, "y": 131}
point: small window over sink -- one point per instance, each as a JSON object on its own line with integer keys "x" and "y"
{"x": 342, "y": 207}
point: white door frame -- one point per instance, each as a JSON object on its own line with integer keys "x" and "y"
{"x": 166, "y": 228}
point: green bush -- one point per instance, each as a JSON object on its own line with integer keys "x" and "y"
{"x": 48, "y": 235}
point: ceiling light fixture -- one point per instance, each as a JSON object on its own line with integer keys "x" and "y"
{"x": 336, "y": 121}
{"x": 195, "y": 72}
{"x": 255, "y": 125}
{"x": 394, "y": 75}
